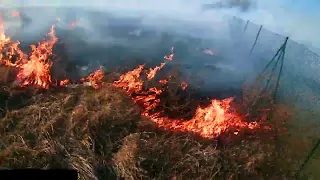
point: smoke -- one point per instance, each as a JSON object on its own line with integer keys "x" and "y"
{"x": 243, "y": 5}
{"x": 109, "y": 32}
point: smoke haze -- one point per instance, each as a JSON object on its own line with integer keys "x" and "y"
{"x": 180, "y": 17}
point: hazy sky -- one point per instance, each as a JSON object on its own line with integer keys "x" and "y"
{"x": 299, "y": 19}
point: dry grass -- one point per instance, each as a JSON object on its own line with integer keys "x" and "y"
{"x": 102, "y": 135}
{"x": 75, "y": 128}
{"x": 181, "y": 156}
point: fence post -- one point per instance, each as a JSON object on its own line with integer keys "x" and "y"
{"x": 255, "y": 42}
{"x": 305, "y": 162}
{"x": 245, "y": 27}
{"x": 280, "y": 53}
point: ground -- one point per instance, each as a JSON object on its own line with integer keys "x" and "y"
{"x": 108, "y": 132}
{"x": 101, "y": 133}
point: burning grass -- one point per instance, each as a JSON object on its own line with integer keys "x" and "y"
{"x": 133, "y": 126}
{"x": 101, "y": 133}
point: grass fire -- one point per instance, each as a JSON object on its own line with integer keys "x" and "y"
{"x": 142, "y": 123}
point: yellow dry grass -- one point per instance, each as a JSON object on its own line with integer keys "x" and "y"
{"x": 101, "y": 134}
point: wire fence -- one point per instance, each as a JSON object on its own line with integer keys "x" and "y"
{"x": 300, "y": 81}
{"x": 298, "y": 78}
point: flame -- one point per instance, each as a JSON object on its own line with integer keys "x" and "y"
{"x": 163, "y": 81}
{"x": 153, "y": 71}
{"x": 95, "y": 79}
{"x": 131, "y": 81}
{"x": 209, "y": 122}
{"x": 33, "y": 69}
{"x": 9, "y": 50}
{"x": 170, "y": 56}
{"x": 36, "y": 71}
{"x": 64, "y": 82}
{"x": 3, "y": 39}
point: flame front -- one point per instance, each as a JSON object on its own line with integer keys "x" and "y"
{"x": 36, "y": 70}
{"x": 209, "y": 122}
{"x": 95, "y": 79}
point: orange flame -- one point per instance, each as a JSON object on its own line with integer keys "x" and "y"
{"x": 170, "y": 56}
{"x": 64, "y": 82}
{"x": 207, "y": 122}
{"x": 3, "y": 39}
{"x": 210, "y": 121}
{"x": 153, "y": 71}
{"x": 130, "y": 81}
{"x": 163, "y": 81}
{"x": 95, "y": 79}
{"x": 36, "y": 71}
{"x": 8, "y": 48}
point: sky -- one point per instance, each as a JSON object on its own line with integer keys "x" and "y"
{"x": 298, "y": 19}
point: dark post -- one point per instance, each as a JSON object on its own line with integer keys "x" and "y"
{"x": 255, "y": 42}
{"x": 245, "y": 27}
{"x": 305, "y": 162}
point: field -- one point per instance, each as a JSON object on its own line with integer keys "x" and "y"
{"x": 142, "y": 121}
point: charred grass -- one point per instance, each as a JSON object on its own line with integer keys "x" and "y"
{"x": 101, "y": 134}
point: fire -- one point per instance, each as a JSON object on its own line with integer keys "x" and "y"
{"x": 35, "y": 68}
{"x": 95, "y": 79}
{"x": 36, "y": 71}
{"x": 209, "y": 122}
{"x": 153, "y": 72}
{"x": 3, "y": 39}
{"x": 64, "y": 82}
{"x": 163, "y": 81}
{"x": 8, "y": 48}
{"x": 170, "y": 57}
{"x": 131, "y": 81}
